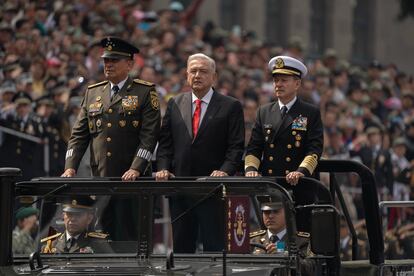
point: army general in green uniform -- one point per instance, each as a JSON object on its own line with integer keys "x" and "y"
{"x": 119, "y": 118}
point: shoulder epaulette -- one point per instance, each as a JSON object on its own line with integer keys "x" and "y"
{"x": 257, "y": 233}
{"x": 97, "y": 84}
{"x": 51, "y": 237}
{"x": 303, "y": 234}
{"x": 147, "y": 83}
{"x": 97, "y": 235}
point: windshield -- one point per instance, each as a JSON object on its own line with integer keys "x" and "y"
{"x": 110, "y": 223}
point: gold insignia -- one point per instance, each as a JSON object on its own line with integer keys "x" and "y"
{"x": 98, "y": 123}
{"x": 98, "y": 98}
{"x": 147, "y": 83}
{"x": 251, "y": 161}
{"x": 298, "y": 137}
{"x": 50, "y": 237}
{"x": 97, "y": 235}
{"x": 122, "y": 123}
{"x": 303, "y": 234}
{"x": 109, "y": 48}
{"x": 154, "y": 100}
{"x": 74, "y": 202}
{"x": 257, "y": 233}
{"x": 279, "y": 63}
{"x": 293, "y": 132}
{"x": 97, "y": 84}
{"x": 310, "y": 162}
{"x": 90, "y": 125}
{"x": 135, "y": 123}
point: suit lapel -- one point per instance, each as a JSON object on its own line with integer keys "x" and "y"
{"x": 212, "y": 109}
{"x": 185, "y": 108}
{"x": 123, "y": 92}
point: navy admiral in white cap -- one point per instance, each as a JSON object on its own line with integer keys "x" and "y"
{"x": 287, "y": 138}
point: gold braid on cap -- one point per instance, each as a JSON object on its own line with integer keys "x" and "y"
{"x": 251, "y": 161}
{"x": 310, "y": 162}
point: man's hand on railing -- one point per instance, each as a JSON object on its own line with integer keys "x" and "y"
{"x": 69, "y": 173}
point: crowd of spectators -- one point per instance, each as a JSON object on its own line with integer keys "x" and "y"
{"x": 50, "y": 51}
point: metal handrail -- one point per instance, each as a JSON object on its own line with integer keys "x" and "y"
{"x": 35, "y": 139}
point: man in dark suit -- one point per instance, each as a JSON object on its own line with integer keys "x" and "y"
{"x": 287, "y": 138}
{"x": 202, "y": 134}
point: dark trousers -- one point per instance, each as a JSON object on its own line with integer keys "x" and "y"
{"x": 206, "y": 219}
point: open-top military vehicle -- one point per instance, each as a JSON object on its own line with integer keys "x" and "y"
{"x": 138, "y": 256}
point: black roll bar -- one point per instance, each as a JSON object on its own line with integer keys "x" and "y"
{"x": 370, "y": 199}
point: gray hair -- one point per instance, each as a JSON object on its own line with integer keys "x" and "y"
{"x": 205, "y": 57}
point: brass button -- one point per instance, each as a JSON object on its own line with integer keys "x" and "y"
{"x": 289, "y": 146}
{"x": 18, "y": 151}
{"x": 272, "y": 146}
{"x": 55, "y": 155}
{"x": 108, "y": 139}
{"x": 109, "y": 125}
{"x": 270, "y": 171}
{"x": 56, "y": 146}
{"x": 293, "y": 132}
{"x": 110, "y": 110}
{"x": 270, "y": 158}
{"x": 288, "y": 159}
{"x": 108, "y": 154}
{"x": 129, "y": 113}
{"x": 287, "y": 172}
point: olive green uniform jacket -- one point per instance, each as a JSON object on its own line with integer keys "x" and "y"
{"x": 122, "y": 131}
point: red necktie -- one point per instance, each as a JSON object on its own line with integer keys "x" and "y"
{"x": 196, "y": 117}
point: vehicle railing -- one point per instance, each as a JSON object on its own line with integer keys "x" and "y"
{"x": 370, "y": 200}
{"x": 41, "y": 141}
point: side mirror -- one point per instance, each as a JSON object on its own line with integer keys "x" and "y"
{"x": 325, "y": 231}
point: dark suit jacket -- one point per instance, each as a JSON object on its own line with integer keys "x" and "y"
{"x": 217, "y": 146}
{"x": 278, "y": 146}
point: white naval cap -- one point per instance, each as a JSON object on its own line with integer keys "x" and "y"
{"x": 287, "y": 66}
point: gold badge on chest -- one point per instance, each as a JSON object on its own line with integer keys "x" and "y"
{"x": 129, "y": 103}
{"x": 122, "y": 123}
{"x": 95, "y": 107}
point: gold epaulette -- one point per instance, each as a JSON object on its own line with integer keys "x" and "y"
{"x": 303, "y": 234}
{"x": 147, "y": 83}
{"x": 97, "y": 235}
{"x": 257, "y": 233}
{"x": 97, "y": 84}
{"x": 51, "y": 237}
{"x": 310, "y": 162}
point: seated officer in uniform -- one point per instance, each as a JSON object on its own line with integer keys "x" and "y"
{"x": 78, "y": 215}
{"x": 273, "y": 215}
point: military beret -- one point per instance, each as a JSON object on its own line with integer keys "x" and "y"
{"x": 287, "y": 66}
{"x": 78, "y": 204}
{"x": 117, "y": 48}
{"x": 26, "y": 212}
{"x": 21, "y": 98}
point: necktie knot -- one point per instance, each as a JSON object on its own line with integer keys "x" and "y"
{"x": 283, "y": 110}
{"x": 115, "y": 89}
{"x": 273, "y": 238}
{"x": 198, "y": 103}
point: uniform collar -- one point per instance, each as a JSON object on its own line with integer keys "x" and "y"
{"x": 120, "y": 84}
{"x": 289, "y": 104}
{"x": 68, "y": 236}
{"x": 280, "y": 235}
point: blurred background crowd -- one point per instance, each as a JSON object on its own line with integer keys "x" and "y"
{"x": 50, "y": 53}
